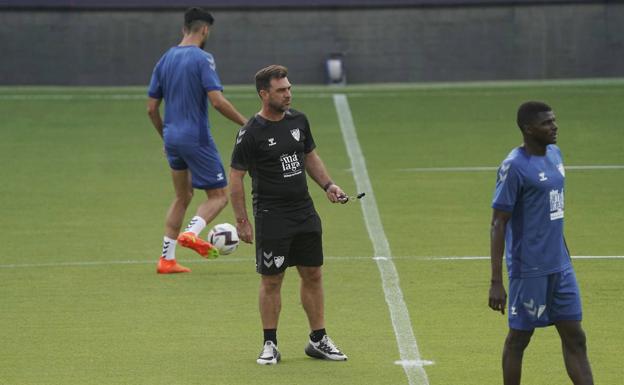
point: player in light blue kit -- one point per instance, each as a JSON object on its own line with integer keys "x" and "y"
{"x": 186, "y": 78}
{"x": 527, "y": 224}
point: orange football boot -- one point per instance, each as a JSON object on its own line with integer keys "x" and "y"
{"x": 170, "y": 267}
{"x": 202, "y": 247}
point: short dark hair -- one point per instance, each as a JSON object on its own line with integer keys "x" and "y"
{"x": 527, "y": 112}
{"x": 264, "y": 76}
{"x": 195, "y": 18}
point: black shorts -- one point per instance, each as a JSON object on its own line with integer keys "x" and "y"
{"x": 283, "y": 241}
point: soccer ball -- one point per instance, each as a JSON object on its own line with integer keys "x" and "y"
{"x": 224, "y": 237}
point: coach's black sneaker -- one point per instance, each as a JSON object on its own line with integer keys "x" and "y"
{"x": 325, "y": 349}
{"x": 269, "y": 354}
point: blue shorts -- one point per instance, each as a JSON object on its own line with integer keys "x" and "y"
{"x": 542, "y": 301}
{"x": 204, "y": 162}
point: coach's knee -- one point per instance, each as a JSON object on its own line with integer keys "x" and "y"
{"x": 271, "y": 284}
{"x": 311, "y": 275}
{"x": 517, "y": 341}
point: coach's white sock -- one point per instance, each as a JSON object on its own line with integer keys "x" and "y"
{"x": 196, "y": 225}
{"x": 169, "y": 246}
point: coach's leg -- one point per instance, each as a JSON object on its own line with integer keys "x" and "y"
{"x": 183, "y": 196}
{"x": 513, "y": 350}
{"x": 312, "y": 295}
{"x": 210, "y": 208}
{"x": 270, "y": 299}
{"x": 574, "y": 346}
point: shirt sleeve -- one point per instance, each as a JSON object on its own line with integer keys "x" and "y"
{"x": 508, "y": 187}
{"x": 155, "y": 87}
{"x": 308, "y": 143}
{"x": 208, "y": 74}
{"x": 243, "y": 150}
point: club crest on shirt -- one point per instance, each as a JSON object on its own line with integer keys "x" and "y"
{"x": 296, "y": 134}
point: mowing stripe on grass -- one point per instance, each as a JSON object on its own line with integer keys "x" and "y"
{"x": 490, "y": 168}
{"x": 408, "y": 348}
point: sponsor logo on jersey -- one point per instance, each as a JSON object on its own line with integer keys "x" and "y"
{"x": 556, "y": 204}
{"x": 296, "y": 134}
{"x": 272, "y": 142}
{"x": 542, "y": 176}
{"x": 291, "y": 165}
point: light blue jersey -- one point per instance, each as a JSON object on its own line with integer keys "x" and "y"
{"x": 532, "y": 189}
{"x": 183, "y": 76}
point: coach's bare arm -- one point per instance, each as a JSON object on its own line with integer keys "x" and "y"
{"x": 237, "y": 197}
{"x": 316, "y": 169}
{"x": 227, "y": 109}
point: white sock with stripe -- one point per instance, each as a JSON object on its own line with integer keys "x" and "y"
{"x": 196, "y": 225}
{"x": 169, "y": 246}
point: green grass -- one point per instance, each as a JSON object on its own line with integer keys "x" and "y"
{"x": 85, "y": 181}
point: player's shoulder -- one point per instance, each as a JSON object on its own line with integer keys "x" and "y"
{"x": 252, "y": 126}
{"x": 553, "y": 148}
{"x": 293, "y": 114}
{"x": 517, "y": 159}
{"x": 199, "y": 54}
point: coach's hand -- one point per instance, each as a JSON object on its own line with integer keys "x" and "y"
{"x": 498, "y": 296}
{"x": 335, "y": 194}
{"x": 245, "y": 231}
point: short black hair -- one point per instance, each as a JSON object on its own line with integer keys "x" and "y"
{"x": 527, "y": 112}
{"x": 264, "y": 76}
{"x": 195, "y": 17}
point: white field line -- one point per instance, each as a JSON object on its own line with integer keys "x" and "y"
{"x": 250, "y": 260}
{"x": 406, "y": 341}
{"x": 365, "y": 87}
{"x": 305, "y": 91}
{"x": 491, "y": 168}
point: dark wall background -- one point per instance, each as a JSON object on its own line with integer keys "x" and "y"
{"x": 404, "y": 44}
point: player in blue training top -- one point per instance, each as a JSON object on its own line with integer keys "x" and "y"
{"x": 527, "y": 225}
{"x": 186, "y": 79}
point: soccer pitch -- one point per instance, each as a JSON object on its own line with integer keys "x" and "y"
{"x": 85, "y": 187}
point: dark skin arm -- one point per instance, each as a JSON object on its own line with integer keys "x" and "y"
{"x": 498, "y": 295}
